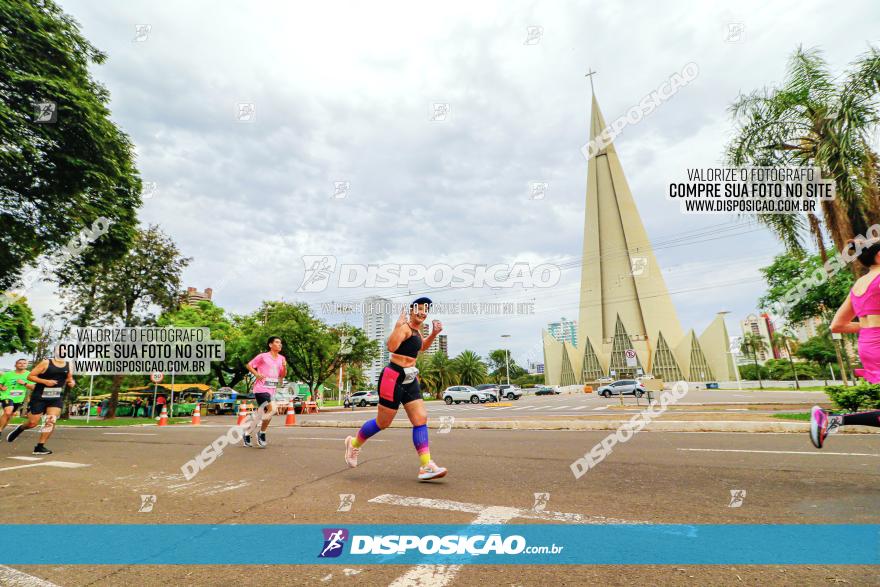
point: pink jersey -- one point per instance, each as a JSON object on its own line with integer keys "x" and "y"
{"x": 272, "y": 369}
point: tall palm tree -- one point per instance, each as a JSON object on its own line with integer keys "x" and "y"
{"x": 470, "y": 368}
{"x": 751, "y": 345}
{"x": 812, "y": 120}
{"x": 783, "y": 339}
{"x": 444, "y": 371}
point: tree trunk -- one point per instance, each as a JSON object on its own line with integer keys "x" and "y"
{"x": 114, "y": 396}
{"x": 797, "y": 382}
{"x": 757, "y": 369}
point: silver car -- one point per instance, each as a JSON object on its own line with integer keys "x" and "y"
{"x": 622, "y": 387}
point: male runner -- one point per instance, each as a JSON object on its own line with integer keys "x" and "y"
{"x": 269, "y": 369}
{"x": 13, "y": 388}
{"x": 399, "y": 384}
{"x": 50, "y": 377}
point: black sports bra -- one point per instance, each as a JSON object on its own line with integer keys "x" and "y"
{"x": 411, "y": 346}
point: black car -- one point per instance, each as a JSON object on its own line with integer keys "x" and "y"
{"x": 546, "y": 391}
{"x": 491, "y": 389}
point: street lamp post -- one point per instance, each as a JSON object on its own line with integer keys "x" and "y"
{"x": 731, "y": 353}
{"x": 506, "y": 363}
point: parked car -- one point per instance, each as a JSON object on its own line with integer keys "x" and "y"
{"x": 464, "y": 393}
{"x": 510, "y": 391}
{"x": 491, "y": 389}
{"x": 623, "y": 387}
{"x": 221, "y": 401}
{"x": 545, "y": 390}
{"x": 362, "y": 399}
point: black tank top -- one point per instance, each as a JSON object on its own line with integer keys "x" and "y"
{"x": 59, "y": 374}
{"x": 411, "y": 346}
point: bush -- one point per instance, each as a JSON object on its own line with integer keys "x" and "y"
{"x": 864, "y": 396}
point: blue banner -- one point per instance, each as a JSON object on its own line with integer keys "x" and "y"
{"x": 371, "y": 544}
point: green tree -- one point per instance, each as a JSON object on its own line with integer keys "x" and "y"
{"x": 783, "y": 277}
{"x": 783, "y": 340}
{"x": 815, "y": 120}
{"x": 125, "y": 290}
{"x": 204, "y": 314}
{"x": 750, "y": 346}
{"x": 56, "y": 178}
{"x": 314, "y": 350}
{"x": 18, "y": 332}
{"x": 819, "y": 349}
{"x": 469, "y": 368}
{"x": 497, "y": 366}
{"x": 436, "y": 373}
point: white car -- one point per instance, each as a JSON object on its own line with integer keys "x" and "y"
{"x": 464, "y": 393}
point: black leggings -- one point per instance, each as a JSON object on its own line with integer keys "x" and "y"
{"x": 862, "y": 419}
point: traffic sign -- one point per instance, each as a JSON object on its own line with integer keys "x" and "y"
{"x": 156, "y": 376}
{"x": 630, "y": 355}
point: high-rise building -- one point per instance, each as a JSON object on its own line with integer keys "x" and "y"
{"x": 438, "y": 344}
{"x": 624, "y": 303}
{"x": 762, "y": 327}
{"x": 564, "y": 331}
{"x": 193, "y": 296}
{"x": 377, "y": 326}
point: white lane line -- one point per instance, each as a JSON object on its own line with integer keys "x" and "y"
{"x": 559, "y": 408}
{"x": 59, "y": 464}
{"x": 442, "y": 575}
{"x": 325, "y": 438}
{"x": 131, "y": 434}
{"x": 784, "y": 452}
{"x": 14, "y": 578}
{"x": 27, "y": 458}
{"x": 600, "y": 408}
{"x": 580, "y": 408}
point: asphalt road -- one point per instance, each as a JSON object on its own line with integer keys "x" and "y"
{"x": 656, "y": 477}
{"x": 591, "y": 404}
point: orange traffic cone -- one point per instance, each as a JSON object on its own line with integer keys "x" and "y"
{"x": 242, "y": 414}
{"x": 163, "y": 417}
{"x": 291, "y": 417}
{"x": 197, "y": 415}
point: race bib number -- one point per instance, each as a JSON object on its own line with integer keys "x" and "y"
{"x": 51, "y": 392}
{"x": 16, "y": 393}
{"x": 270, "y": 383}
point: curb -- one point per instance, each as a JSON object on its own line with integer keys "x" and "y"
{"x": 656, "y": 426}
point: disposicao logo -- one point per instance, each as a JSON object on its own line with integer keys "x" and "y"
{"x": 334, "y": 540}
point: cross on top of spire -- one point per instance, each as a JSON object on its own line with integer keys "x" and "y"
{"x": 590, "y": 75}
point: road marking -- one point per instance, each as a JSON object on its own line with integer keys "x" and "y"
{"x": 15, "y": 578}
{"x": 580, "y": 408}
{"x": 131, "y": 434}
{"x": 27, "y": 458}
{"x": 59, "y": 464}
{"x": 600, "y": 408}
{"x": 559, "y": 408}
{"x": 784, "y": 452}
{"x": 442, "y": 575}
{"x": 333, "y": 439}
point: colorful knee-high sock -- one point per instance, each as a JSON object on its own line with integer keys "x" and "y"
{"x": 420, "y": 440}
{"x": 367, "y": 430}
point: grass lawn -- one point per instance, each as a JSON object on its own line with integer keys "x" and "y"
{"x": 805, "y": 416}
{"x": 803, "y": 388}
{"x": 113, "y": 422}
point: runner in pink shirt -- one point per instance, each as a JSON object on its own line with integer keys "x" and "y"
{"x": 269, "y": 369}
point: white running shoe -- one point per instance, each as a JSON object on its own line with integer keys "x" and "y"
{"x": 351, "y": 453}
{"x": 431, "y": 471}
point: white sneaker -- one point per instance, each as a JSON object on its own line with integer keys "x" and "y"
{"x": 351, "y": 453}
{"x": 261, "y": 439}
{"x": 431, "y": 471}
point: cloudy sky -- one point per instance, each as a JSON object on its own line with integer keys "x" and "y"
{"x": 344, "y": 92}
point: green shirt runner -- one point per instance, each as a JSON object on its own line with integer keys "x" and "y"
{"x": 14, "y": 390}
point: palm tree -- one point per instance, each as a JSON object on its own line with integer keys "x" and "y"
{"x": 783, "y": 339}
{"x": 814, "y": 121}
{"x": 752, "y": 344}
{"x": 470, "y": 368}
